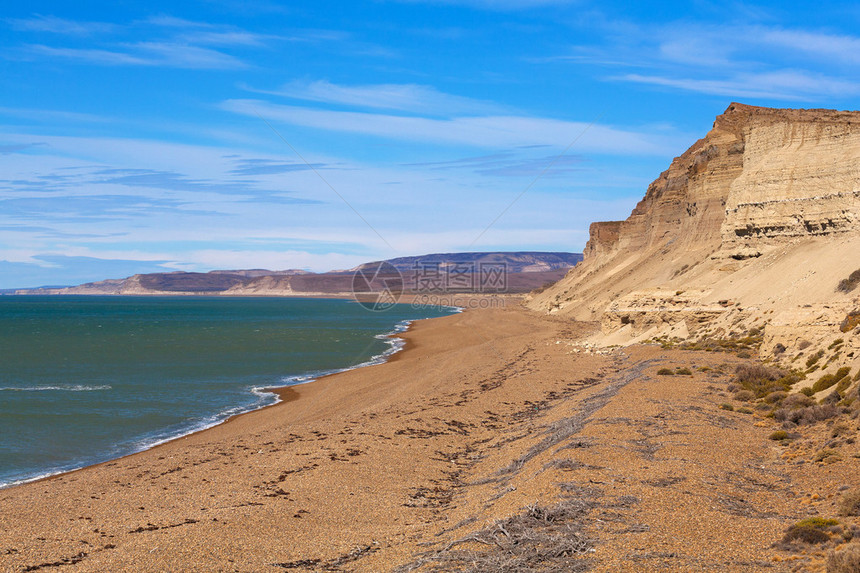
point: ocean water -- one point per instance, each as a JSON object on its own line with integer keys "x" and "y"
{"x": 87, "y": 379}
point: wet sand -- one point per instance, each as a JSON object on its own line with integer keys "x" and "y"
{"x": 486, "y": 415}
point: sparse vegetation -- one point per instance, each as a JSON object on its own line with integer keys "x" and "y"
{"x": 762, "y": 380}
{"x": 728, "y": 407}
{"x": 733, "y": 343}
{"x": 684, "y": 372}
{"x": 665, "y": 372}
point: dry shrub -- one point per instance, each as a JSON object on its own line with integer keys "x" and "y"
{"x": 755, "y": 372}
{"x": 539, "y": 539}
{"x": 794, "y": 401}
{"x": 849, "y": 284}
{"x": 804, "y": 344}
{"x": 806, "y": 416}
{"x": 744, "y": 396}
{"x": 850, "y": 503}
{"x": 845, "y": 561}
{"x": 762, "y": 380}
{"x": 775, "y": 397}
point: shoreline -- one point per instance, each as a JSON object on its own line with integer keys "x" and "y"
{"x": 489, "y": 416}
{"x": 283, "y": 395}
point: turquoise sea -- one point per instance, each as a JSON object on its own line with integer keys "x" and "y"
{"x": 87, "y": 379}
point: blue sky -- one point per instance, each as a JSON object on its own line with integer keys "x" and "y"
{"x": 215, "y": 134}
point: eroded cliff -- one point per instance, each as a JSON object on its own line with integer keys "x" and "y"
{"x": 756, "y": 223}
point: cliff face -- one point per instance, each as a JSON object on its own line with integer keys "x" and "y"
{"x": 761, "y": 214}
{"x": 800, "y": 178}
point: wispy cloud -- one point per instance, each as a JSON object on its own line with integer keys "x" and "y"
{"x": 16, "y": 148}
{"x": 503, "y": 5}
{"x": 172, "y": 55}
{"x": 492, "y": 131}
{"x": 829, "y": 47}
{"x": 735, "y": 60}
{"x": 54, "y": 25}
{"x": 784, "y": 85}
{"x": 248, "y": 167}
{"x": 510, "y": 164}
{"x": 398, "y": 97}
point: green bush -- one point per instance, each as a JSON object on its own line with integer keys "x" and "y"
{"x": 665, "y": 372}
{"x": 808, "y": 391}
{"x": 684, "y": 372}
{"x": 811, "y": 531}
{"x": 829, "y": 380}
{"x": 728, "y": 407}
{"x": 814, "y": 358}
{"x": 779, "y": 435}
{"x": 843, "y": 384}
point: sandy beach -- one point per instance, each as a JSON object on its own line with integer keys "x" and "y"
{"x": 487, "y": 415}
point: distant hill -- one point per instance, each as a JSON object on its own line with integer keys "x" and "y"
{"x": 521, "y": 272}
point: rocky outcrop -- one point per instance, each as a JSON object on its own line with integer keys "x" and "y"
{"x": 757, "y": 222}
